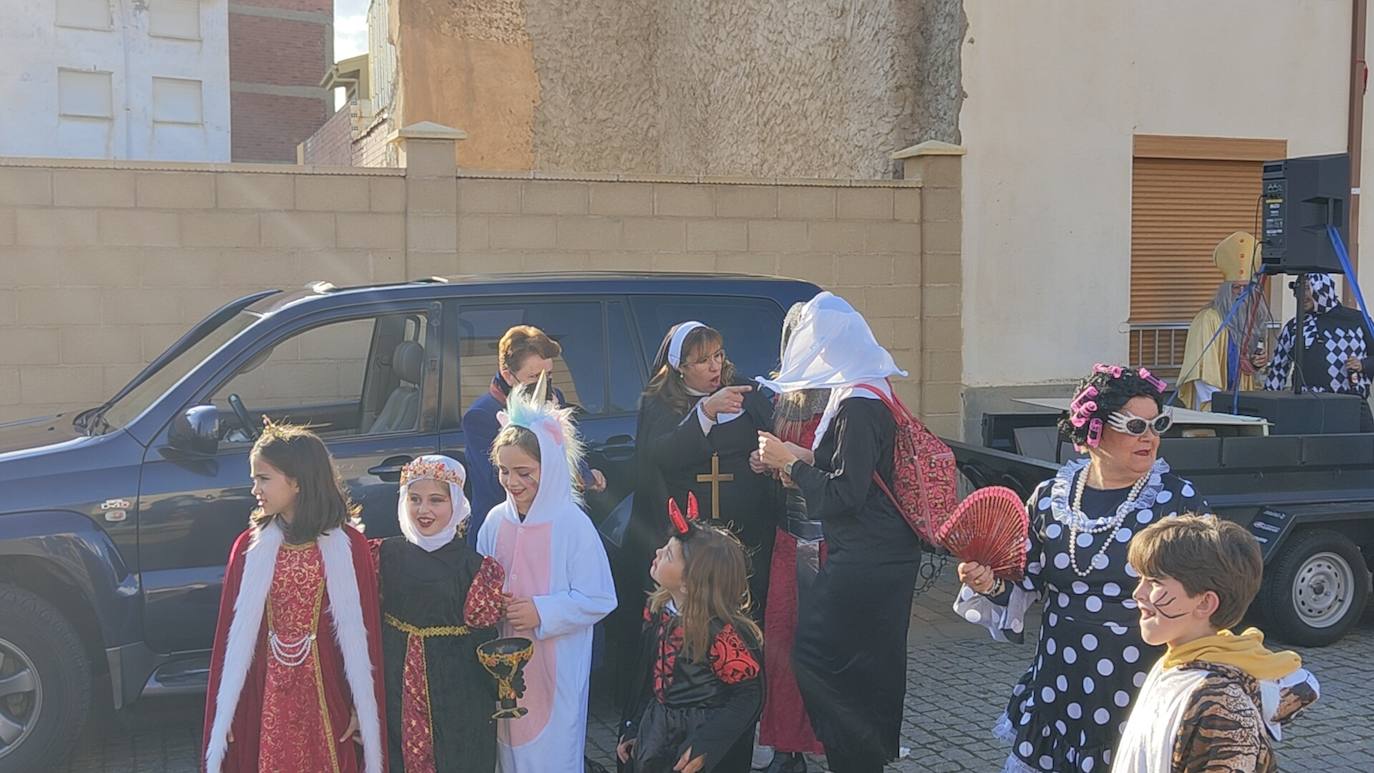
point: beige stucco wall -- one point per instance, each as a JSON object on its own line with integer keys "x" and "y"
{"x": 821, "y": 89}
{"x": 103, "y": 264}
{"x": 1055, "y": 92}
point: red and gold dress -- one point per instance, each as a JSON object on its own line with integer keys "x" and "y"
{"x": 283, "y": 681}
{"x": 296, "y": 733}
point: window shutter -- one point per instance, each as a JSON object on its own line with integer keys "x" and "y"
{"x": 1180, "y": 209}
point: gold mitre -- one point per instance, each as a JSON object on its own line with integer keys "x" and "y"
{"x": 1237, "y": 257}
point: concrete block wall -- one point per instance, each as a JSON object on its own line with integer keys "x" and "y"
{"x": 102, "y": 264}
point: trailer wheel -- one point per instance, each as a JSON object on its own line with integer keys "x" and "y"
{"x": 45, "y": 683}
{"x": 1316, "y": 588}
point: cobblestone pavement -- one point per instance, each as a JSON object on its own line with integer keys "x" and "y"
{"x": 958, "y": 681}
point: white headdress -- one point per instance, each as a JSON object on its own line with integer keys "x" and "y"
{"x": 832, "y": 347}
{"x": 560, "y": 448}
{"x": 444, "y": 470}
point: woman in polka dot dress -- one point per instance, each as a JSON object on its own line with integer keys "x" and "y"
{"x": 1066, "y": 712}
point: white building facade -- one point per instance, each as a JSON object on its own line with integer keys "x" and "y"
{"x": 117, "y": 79}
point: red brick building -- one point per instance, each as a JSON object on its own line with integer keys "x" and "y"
{"x": 278, "y": 52}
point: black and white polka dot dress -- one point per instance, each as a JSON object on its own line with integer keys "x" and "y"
{"x": 1067, "y": 710}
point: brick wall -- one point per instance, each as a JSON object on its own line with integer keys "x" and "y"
{"x": 101, "y": 267}
{"x": 279, "y": 51}
{"x": 332, "y": 143}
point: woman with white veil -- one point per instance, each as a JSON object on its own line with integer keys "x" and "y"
{"x": 850, "y": 650}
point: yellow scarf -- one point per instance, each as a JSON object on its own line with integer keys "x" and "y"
{"x": 1245, "y": 651}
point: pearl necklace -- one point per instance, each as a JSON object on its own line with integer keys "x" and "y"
{"x": 1110, "y": 525}
{"x": 289, "y": 653}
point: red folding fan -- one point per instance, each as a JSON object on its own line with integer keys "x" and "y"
{"x": 989, "y": 527}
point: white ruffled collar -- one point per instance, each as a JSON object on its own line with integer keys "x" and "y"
{"x": 1062, "y": 489}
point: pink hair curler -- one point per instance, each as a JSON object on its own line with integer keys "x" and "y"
{"x": 1094, "y": 433}
{"x": 1154, "y": 381}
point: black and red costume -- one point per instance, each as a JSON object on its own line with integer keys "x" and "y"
{"x": 707, "y": 705}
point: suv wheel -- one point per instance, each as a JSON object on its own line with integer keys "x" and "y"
{"x": 45, "y": 683}
{"x": 1316, "y": 588}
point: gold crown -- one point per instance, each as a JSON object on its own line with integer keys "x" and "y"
{"x": 424, "y": 470}
{"x": 1237, "y": 256}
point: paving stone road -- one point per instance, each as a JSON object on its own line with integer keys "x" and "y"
{"x": 958, "y": 680}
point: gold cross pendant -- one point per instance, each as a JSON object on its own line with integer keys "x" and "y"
{"x": 715, "y": 478}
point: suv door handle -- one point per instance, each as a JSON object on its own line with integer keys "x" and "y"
{"x": 390, "y": 468}
{"x": 617, "y": 448}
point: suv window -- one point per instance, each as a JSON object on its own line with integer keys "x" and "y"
{"x": 353, "y": 377}
{"x": 580, "y": 372}
{"x": 627, "y": 373}
{"x": 750, "y": 326}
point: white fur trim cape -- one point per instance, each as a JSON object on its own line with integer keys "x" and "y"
{"x": 345, "y": 609}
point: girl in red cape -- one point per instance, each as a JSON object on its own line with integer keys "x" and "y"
{"x": 295, "y": 672}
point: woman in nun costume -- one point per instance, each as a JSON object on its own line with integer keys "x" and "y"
{"x": 695, "y": 409}
{"x": 440, "y": 600}
{"x": 849, "y": 655}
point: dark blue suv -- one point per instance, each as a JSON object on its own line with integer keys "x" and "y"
{"x": 115, "y": 522}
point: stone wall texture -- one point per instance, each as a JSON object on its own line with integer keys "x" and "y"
{"x": 761, "y": 88}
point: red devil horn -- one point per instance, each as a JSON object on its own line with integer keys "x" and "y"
{"x": 691, "y": 506}
{"x": 675, "y": 515}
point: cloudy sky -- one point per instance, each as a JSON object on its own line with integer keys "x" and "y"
{"x": 350, "y": 28}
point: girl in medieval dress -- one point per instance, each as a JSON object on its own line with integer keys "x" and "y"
{"x": 440, "y": 600}
{"x": 797, "y": 553}
{"x": 306, "y": 692}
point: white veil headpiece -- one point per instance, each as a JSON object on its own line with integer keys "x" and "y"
{"x": 444, "y": 470}
{"x": 832, "y": 347}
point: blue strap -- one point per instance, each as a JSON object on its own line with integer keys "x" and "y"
{"x": 1349, "y": 270}
{"x": 1235, "y": 306}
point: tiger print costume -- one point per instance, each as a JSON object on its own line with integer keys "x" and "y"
{"x": 1210, "y": 718}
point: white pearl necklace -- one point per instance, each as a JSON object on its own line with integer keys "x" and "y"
{"x": 1110, "y": 525}
{"x": 289, "y": 653}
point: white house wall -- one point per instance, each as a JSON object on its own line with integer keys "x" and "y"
{"x": 1055, "y": 92}
{"x": 34, "y": 51}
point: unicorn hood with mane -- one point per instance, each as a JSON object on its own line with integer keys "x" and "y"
{"x": 554, "y": 557}
{"x": 560, "y": 448}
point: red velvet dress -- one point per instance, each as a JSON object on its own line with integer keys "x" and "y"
{"x": 290, "y": 717}
{"x": 785, "y": 725}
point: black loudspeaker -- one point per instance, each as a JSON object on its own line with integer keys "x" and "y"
{"x": 1301, "y": 197}
{"x": 1289, "y": 414}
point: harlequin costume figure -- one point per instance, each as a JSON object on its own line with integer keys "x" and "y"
{"x": 700, "y": 686}
{"x": 440, "y": 600}
{"x": 1338, "y": 354}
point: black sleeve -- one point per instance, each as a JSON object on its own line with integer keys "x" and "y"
{"x": 859, "y": 443}
{"x": 641, "y": 693}
{"x": 669, "y": 441}
{"x": 741, "y": 708}
{"x": 759, "y": 406}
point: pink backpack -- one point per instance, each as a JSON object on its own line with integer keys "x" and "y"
{"x": 923, "y": 471}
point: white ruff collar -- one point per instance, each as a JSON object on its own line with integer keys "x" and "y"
{"x": 1062, "y": 489}
{"x": 345, "y": 609}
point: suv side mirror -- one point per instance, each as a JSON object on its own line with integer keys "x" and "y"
{"x": 196, "y": 431}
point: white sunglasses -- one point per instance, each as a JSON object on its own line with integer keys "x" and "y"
{"x": 1136, "y": 426}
